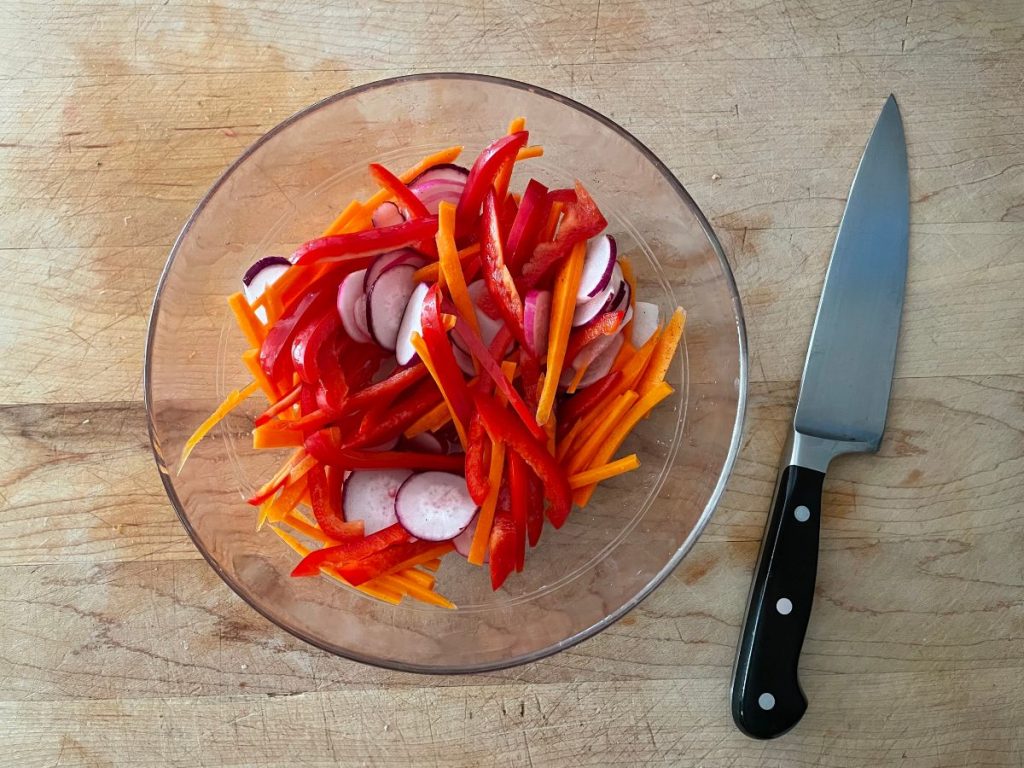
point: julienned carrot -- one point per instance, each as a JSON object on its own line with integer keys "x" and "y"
{"x": 583, "y": 456}
{"x": 485, "y": 517}
{"x": 275, "y": 483}
{"x": 634, "y": 368}
{"x": 430, "y": 421}
{"x": 664, "y": 352}
{"x": 350, "y": 212}
{"x": 286, "y": 503}
{"x": 548, "y": 233}
{"x": 604, "y": 472}
{"x": 432, "y": 271}
{"x": 562, "y": 306}
{"x": 276, "y": 434}
{"x": 422, "y": 578}
{"x": 448, "y": 155}
{"x": 280, "y": 406}
{"x": 421, "y": 350}
{"x": 231, "y": 402}
{"x": 417, "y": 591}
{"x": 251, "y": 326}
{"x": 528, "y": 153}
{"x": 432, "y": 565}
{"x": 621, "y": 431}
{"x": 451, "y": 266}
{"x": 442, "y": 549}
{"x": 251, "y": 360}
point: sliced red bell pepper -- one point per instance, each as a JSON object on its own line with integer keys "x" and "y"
{"x": 603, "y": 325}
{"x": 333, "y": 387}
{"x": 275, "y": 357}
{"x": 325, "y": 503}
{"x": 497, "y": 278}
{"x": 581, "y": 221}
{"x": 404, "y": 196}
{"x": 577, "y": 406}
{"x": 282, "y": 405}
{"x": 358, "y": 247}
{"x": 436, "y": 340}
{"x": 478, "y": 460}
{"x": 481, "y": 178}
{"x": 310, "y": 340}
{"x": 384, "y": 422}
{"x": 383, "y": 393}
{"x": 502, "y": 425}
{"x": 323, "y": 445}
{"x": 563, "y": 196}
{"x": 519, "y": 488}
{"x": 507, "y": 210}
{"x": 535, "y": 511}
{"x": 383, "y": 561}
{"x": 522, "y": 235}
{"x": 491, "y": 367}
{"x": 351, "y": 550}
{"x": 502, "y": 549}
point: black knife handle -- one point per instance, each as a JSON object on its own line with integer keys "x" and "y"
{"x": 766, "y": 697}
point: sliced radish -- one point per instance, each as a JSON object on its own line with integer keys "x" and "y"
{"x": 598, "y": 267}
{"x": 391, "y": 259}
{"x": 603, "y": 362}
{"x": 489, "y": 325}
{"x": 411, "y": 323}
{"x": 445, "y": 172}
{"x": 369, "y": 495}
{"x": 464, "y": 360}
{"x": 464, "y": 540}
{"x": 361, "y": 320}
{"x": 536, "y": 320}
{"x": 433, "y": 193}
{"x": 262, "y": 273}
{"x": 387, "y": 215}
{"x": 434, "y": 506}
{"x": 349, "y": 293}
{"x": 427, "y": 442}
{"x": 590, "y": 353}
{"x": 602, "y": 302}
{"x": 645, "y": 322}
{"x": 386, "y": 303}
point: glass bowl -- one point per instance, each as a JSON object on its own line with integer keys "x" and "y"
{"x": 284, "y": 190}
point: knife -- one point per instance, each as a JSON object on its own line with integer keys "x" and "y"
{"x": 844, "y": 396}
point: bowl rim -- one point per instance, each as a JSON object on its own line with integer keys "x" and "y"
{"x": 713, "y": 499}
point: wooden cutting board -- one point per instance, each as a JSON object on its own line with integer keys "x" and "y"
{"x": 120, "y": 646}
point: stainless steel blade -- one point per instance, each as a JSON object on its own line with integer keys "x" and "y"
{"x": 844, "y": 394}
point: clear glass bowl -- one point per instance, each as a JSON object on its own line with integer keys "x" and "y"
{"x": 284, "y": 190}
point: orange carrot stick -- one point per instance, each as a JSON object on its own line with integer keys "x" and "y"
{"x": 584, "y": 455}
{"x": 421, "y": 349}
{"x": 451, "y": 267}
{"x": 246, "y": 319}
{"x": 485, "y": 517}
{"x": 562, "y": 307}
{"x": 251, "y": 360}
{"x": 231, "y": 402}
{"x": 604, "y": 472}
{"x": 663, "y": 353}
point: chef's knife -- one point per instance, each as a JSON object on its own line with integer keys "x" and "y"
{"x": 844, "y": 395}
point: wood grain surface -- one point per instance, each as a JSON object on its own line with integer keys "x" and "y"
{"x": 120, "y": 646}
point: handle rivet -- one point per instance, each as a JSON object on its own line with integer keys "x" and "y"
{"x": 766, "y": 701}
{"x": 802, "y": 513}
{"x": 784, "y": 606}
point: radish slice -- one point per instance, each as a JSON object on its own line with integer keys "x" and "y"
{"x": 412, "y": 323}
{"x": 590, "y": 353}
{"x": 464, "y": 540}
{"x": 362, "y": 322}
{"x": 603, "y": 362}
{"x": 262, "y": 273}
{"x": 434, "y": 506}
{"x": 536, "y": 319}
{"x": 464, "y": 360}
{"x": 448, "y": 172}
{"x": 387, "y": 215}
{"x": 391, "y": 259}
{"x": 602, "y": 302}
{"x": 489, "y": 326}
{"x": 433, "y": 193}
{"x": 386, "y": 303}
{"x": 645, "y": 322}
{"x": 369, "y": 495}
{"x": 425, "y": 442}
{"x": 597, "y": 267}
{"x": 349, "y": 293}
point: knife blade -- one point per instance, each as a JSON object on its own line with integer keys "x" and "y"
{"x": 841, "y": 408}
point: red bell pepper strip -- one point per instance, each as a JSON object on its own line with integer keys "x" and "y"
{"x": 384, "y": 422}
{"x": 508, "y": 208}
{"x": 519, "y": 488}
{"x": 535, "y": 511}
{"x": 383, "y": 393}
{"x": 351, "y": 550}
{"x": 579, "y": 404}
{"x": 522, "y": 235}
{"x": 383, "y": 561}
{"x": 491, "y": 367}
{"x": 603, "y": 325}
{"x": 280, "y": 406}
{"x": 481, "y": 178}
{"x": 358, "y": 247}
{"x": 326, "y": 507}
{"x": 406, "y": 199}
{"x": 502, "y": 551}
{"x": 501, "y": 425}
{"x": 582, "y": 220}
{"x": 333, "y": 387}
{"x": 324, "y": 446}
{"x": 563, "y": 196}
{"x": 478, "y": 460}
{"x": 310, "y": 340}
{"x": 497, "y": 278}
{"x": 274, "y": 352}
{"x": 449, "y": 375}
